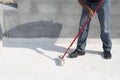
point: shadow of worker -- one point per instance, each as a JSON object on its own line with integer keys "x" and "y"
{"x": 40, "y": 29}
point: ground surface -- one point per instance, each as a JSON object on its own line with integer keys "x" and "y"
{"x": 35, "y": 59}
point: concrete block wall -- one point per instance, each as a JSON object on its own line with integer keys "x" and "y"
{"x": 52, "y": 19}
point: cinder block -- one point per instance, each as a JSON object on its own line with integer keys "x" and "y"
{"x": 8, "y": 1}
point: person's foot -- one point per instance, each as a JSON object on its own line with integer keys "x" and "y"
{"x": 76, "y": 53}
{"x": 107, "y": 55}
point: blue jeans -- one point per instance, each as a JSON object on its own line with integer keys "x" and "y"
{"x": 104, "y": 18}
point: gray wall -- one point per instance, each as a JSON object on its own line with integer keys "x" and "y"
{"x": 52, "y": 19}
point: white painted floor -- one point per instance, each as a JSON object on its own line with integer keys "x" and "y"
{"x": 35, "y": 59}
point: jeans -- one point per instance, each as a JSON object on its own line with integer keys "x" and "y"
{"x": 104, "y": 19}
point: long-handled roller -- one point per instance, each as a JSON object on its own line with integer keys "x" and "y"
{"x": 61, "y": 59}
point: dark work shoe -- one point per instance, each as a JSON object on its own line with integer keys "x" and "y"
{"x": 107, "y": 55}
{"x": 76, "y": 53}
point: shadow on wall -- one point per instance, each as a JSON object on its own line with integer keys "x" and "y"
{"x": 14, "y": 5}
{"x": 35, "y": 30}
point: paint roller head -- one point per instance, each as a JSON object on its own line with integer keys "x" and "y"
{"x": 60, "y": 61}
